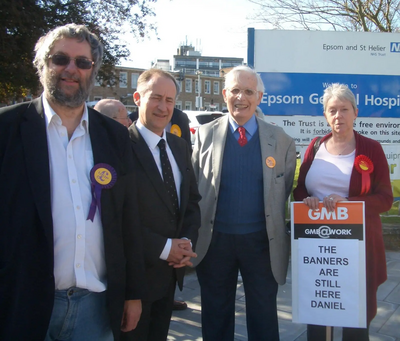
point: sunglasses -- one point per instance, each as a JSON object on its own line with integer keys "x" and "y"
{"x": 62, "y": 60}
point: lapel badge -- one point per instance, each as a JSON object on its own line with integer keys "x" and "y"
{"x": 102, "y": 176}
{"x": 176, "y": 130}
{"x": 270, "y": 162}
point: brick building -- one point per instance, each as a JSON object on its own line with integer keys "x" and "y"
{"x": 190, "y": 69}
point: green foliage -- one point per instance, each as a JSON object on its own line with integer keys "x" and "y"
{"x": 22, "y": 22}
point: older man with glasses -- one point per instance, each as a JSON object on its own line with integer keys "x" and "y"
{"x": 245, "y": 168}
{"x": 71, "y": 253}
{"x": 114, "y": 109}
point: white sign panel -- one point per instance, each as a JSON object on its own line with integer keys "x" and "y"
{"x": 328, "y": 265}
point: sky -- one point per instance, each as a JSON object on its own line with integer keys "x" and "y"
{"x": 216, "y": 28}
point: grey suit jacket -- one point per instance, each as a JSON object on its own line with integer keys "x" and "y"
{"x": 278, "y": 180}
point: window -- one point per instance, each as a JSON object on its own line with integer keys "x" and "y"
{"x": 216, "y": 88}
{"x": 134, "y": 78}
{"x": 216, "y": 106}
{"x": 207, "y": 105}
{"x": 97, "y": 98}
{"x": 188, "y": 105}
{"x": 188, "y": 85}
{"x": 178, "y": 105}
{"x": 207, "y": 87}
{"x": 123, "y": 79}
{"x": 196, "y": 86}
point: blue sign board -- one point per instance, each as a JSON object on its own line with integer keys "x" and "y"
{"x": 288, "y": 94}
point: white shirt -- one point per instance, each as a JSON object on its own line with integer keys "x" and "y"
{"x": 329, "y": 174}
{"x": 78, "y": 242}
{"x": 152, "y": 140}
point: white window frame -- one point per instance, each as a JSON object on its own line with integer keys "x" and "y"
{"x": 123, "y": 79}
{"x": 216, "y": 88}
{"x": 207, "y": 87}
{"x": 188, "y": 85}
{"x": 178, "y": 105}
{"x": 188, "y": 105}
{"x": 134, "y": 79}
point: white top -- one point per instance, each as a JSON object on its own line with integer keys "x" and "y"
{"x": 152, "y": 140}
{"x": 78, "y": 242}
{"x": 329, "y": 174}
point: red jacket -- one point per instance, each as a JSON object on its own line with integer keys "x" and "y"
{"x": 379, "y": 199}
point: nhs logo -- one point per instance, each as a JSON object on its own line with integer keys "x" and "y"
{"x": 395, "y": 47}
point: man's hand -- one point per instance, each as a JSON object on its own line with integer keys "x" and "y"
{"x": 131, "y": 316}
{"x": 180, "y": 254}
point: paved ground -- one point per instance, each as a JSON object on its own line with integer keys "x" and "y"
{"x": 186, "y": 326}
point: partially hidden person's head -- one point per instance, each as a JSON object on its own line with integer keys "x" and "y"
{"x": 340, "y": 108}
{"x": 156, "y": 94}
{"x": 114, "y": 109}
{"x": 242, "y": 93}
{"x": 67, "y": 60}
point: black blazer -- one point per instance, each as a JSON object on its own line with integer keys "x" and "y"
{"x": 26, "y": 227}
{"x": 156, "y": 212}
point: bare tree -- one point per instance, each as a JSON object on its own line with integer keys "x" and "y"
{"x": 348, "y": 15}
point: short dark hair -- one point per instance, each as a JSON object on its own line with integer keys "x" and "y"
{"x": 145, "y": 77}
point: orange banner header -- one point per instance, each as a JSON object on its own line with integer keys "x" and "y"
{"x": 351, "y": 212}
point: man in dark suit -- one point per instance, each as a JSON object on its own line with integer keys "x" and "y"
{"x": 71, "y": 261}
{"x": 179, "y": 126}
{"x": 168, "y": 201}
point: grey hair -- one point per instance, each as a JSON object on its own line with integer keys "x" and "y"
{"x": 340, "y": 91}
{"x": 233, "y": 75}
{"x": 71, "y": 31}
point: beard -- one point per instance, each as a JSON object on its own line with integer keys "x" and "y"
{"x": 58, "y": 95}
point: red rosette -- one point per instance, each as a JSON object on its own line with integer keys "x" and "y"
{"x": 365, "y": 167}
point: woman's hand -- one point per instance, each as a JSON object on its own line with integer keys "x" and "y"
{"x": 312, "y": 202}
{"x": 331, "y": 200}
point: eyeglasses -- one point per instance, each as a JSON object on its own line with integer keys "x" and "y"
{"x": 247, "y": 92}
{"x": 62, "y": 60}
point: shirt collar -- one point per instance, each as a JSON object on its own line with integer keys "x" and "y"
{"x": 51, "y": 115}
{"x": 151, "y": 138}
{"x": 250, "y": 126}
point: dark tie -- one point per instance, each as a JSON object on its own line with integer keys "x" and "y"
{"x": 242, "y": 138}
{"x": 168, "y": 176}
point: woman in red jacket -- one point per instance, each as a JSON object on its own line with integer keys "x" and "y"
{"x": 348, "y": 166}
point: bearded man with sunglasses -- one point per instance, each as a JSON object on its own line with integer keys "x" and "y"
{"x": 71, "y": 260}
{"x": 245, "y": 168}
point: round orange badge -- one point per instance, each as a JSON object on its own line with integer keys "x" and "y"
{"x": 176, "y": 130}
{"x": 270, "y": 162}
